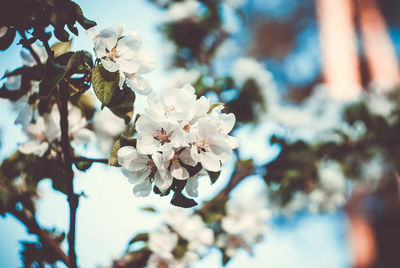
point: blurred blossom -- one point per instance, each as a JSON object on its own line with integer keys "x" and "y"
{"x": 245, "y": 224}
{"x": 332, "y": 192}
{"x": 378, "y": 103}
{"x": 181, "y": 10}
{"x": 235, "y": 3}
{"x": 46, "y": 129}
{"x": 248, "y": 68}
{"x": 190, "y": 227}
{"x": 29, "y": 60}
{"x": 13, "y": 82}
{"x": 179, "y": 77}
{"x": 107, "y": 127}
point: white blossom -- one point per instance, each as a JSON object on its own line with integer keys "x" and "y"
{"x": 156, "y": 136}
{"x": 123, "y": 53}
{"x": 107, "y": 127}
{"x": 163, "y": 242}
{"x": 46, "y": 129}
{"x": 141, "y": 169}
{"x": 209, "y": 147}
{"x": 244, "y": 225}
{"x": 190, "y": 227}
{"x": 332, "y": 191}
{"x": 181, "y": 10}
{"x": 180, "y": 77}
{"x": 29, "y": 60}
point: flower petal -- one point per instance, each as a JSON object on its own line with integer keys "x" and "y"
{"x": 143, "y": 189}
{"x": 139, "y": 85}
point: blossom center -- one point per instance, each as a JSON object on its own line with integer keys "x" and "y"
{"x": 175, "y": 159}
{"x": 169, "y": 110}
{"x": 150, "y": 164}
{"x": 162, "y": 136}
{"x": 202, "y": 145}
{"x": 186, "y": 128}
{"x": 113, "y": 54}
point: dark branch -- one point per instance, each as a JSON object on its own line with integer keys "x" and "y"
{"x": 28, "y": 45}
{"x": 81, "y": 158}
{"x": 73, "y": 199}
{"x": 44, "y": 237}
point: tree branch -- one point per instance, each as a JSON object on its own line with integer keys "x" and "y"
{"x": 73, "y": 199}
{"x": 93, "y": 160}
{"x": 28, "y": 45}
{"x": 44, "y": 238}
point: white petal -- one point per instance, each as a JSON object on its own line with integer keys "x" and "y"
{"x": 209, "y": 162}
{"x": 178, "y": 172}
{"x": 186, "y": 158}
{"x": 147, "y": 145}
{"x": 146, "y": 126}
{"x": 35, "y": 147}
{"x": 143, "y": 189}
{"x": 192, "y": 186}
{"x": 84, "y": 136}
{"x": 110, "y": 65}
{"x": 140, "y": 176}
{"x": 13, "y": 82}
{"x": 147, "y": 63}
{"x": 121, "y": 79}
{"x": 139, "y": 85}
{"x": 163, "y": 183}
{"x": 221, "y": 149}
{"x": 124, "y": 152}
{"x": 92, "y": 33}
{"x": 3, "y": 31}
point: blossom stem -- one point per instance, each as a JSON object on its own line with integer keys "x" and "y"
{"x": 73, "y": 199}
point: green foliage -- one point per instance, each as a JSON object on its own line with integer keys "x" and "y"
{"x": 36, "y": 15}
{"x": 213, "y": 106}
{"x": 104, "y": 84}
{"x": 83, "y": 164}
{"x": 54, "y": 73}
{"x": 60, "y": 48}
{"x": 250, "y": 96}
{"x": 122, "y": 104}
{"x": 144, "y": 237}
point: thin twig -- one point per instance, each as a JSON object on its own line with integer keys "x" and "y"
{"x": 44, "y": 237}
{"x": 93, "y": 160}
{"x": 73, "y": 199}
{"x": 26, "y": 44}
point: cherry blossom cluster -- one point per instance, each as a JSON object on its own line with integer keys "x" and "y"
{"x": 176, "y": 132}
{"x": 45, "y": 130}
{"x": 179, "y": 225}
{"x": 244, "y": 225}
{"x": 123, "y": 53}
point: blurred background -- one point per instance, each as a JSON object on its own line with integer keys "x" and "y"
{"x": 311, "y": 60}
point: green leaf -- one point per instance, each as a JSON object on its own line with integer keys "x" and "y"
{"x": 83, "y": 165}
{"x": 54, "y": 73}
{"x": 213, "y": 106}
{"x": 213, "y": 176}
{"x": 113, "y": 159}
{"x": 104, "y": 84}
{"x": 122, "y": 104}
{"x": 61, "y": 48}
{"x": 139, "y": 237}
